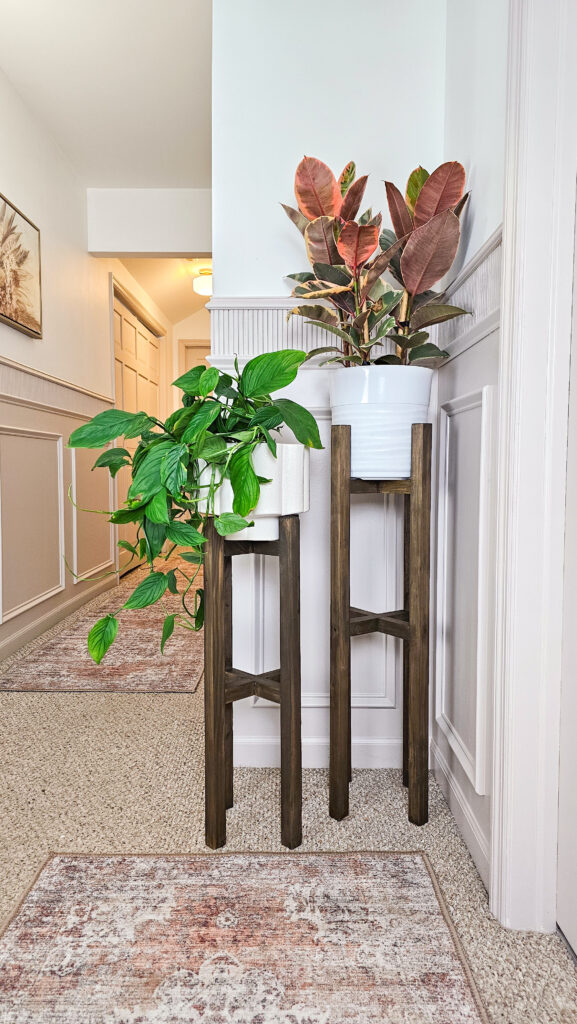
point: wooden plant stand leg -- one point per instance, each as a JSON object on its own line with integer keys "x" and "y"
{"x": 406, "y": 648}
{"x": 214, "y": 697}
{"x": 340, "y": 642}
{"x": 290, "y": 682}
{"x": 419, "y": 541}
{"x": 228, "y": 714}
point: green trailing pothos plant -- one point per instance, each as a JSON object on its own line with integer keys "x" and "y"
{"x": 179, "y": 465}
{"x": 349, "y": 256}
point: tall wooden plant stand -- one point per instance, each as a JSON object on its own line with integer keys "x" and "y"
{"x": 224, "y": 684}
{"x": 411, "y": 623}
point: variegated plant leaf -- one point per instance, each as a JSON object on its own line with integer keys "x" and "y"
{"x": 320, "y": 241}
{"x": 296, "y": 216}
{"x": 417, "y": 179}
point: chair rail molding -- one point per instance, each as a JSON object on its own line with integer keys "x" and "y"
{"x": 538, "y": 252}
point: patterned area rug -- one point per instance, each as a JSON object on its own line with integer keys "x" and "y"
{"x": 59, "y": 659}
{"x": 358, "y": 938}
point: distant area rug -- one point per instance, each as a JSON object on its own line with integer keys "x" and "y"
{"x": 59, "y": 659}
{"x": 356, "y": 938}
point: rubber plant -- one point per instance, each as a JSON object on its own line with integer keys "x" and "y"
{"x": 180, "y": 463}
{"x": 345, "y": 292}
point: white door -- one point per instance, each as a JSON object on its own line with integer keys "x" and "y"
{"x": 136, "y": 368}
{"x": 567, "y": 850}
{"x": 192, "y": 353}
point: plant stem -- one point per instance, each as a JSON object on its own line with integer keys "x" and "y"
{"x": 403, "y": 324}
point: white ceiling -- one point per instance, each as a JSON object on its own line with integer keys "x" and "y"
{"x": 169, "y": 283}
{"x": 124, "y": 86}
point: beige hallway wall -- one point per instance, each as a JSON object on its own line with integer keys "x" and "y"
{"x": 48, "y": 387}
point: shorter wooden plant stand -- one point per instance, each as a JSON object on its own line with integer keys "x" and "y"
{"x": 224, "y": 684}
{"x": 411, "y": 623}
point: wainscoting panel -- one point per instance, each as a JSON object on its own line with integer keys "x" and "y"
{"x": 463, "y": 618}
{"x": 93, "y": 536}
{"x": 32, "y": 516}
{"x": 463, "y": 550}
{"x": 40, "y": 531}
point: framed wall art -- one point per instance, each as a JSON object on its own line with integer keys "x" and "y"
{"x": 20, "y": 285}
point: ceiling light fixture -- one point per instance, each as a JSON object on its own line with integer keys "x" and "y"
{"x": 203, "y": 283}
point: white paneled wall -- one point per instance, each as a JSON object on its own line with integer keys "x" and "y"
{"x": 463, "y": 641}
{"x": 246, "y": 327}
{"x": 462, "y": 538}
{"x": 41, "y": 531}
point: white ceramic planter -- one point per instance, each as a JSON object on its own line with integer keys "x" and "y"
{"x": 288, "y": 493}
{"x": 380, "y": 403}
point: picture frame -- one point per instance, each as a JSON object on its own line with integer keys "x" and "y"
{"x": 20, "y": 275}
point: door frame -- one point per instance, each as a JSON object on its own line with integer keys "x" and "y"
{"x": 117, "y": 290}
{"x": 538, "y": 253}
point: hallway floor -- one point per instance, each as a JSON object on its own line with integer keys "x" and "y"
{"x": 116, "y": 773}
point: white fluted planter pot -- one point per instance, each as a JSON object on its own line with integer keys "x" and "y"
{"x": 288, "y": 492}
{"x": 380, "y": 403}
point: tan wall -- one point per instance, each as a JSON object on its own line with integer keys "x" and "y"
{"x": 48, "y": 387}
{"x": 40, "y": 530}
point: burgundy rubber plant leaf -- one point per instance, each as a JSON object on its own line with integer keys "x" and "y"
{"x": 316, "y": 189}
{"x": 441, "y": 191}
{"x": 357, "y": 243}
{"x": 429, "y": 252}
{"x": 378, "y": 266}
{"x": 320, "y": 241}
{"x": 400, "y": 216}
{"x": 353, "y": 198}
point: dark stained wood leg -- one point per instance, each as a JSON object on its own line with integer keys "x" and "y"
{"x": 406, "y": 649}
{"x": 420, "y": 512}
{"x": 340, "y": 671}
{"x": 214, "y": 707}
{"x": 228, "y": 714}
{"x": 290, "y": 682}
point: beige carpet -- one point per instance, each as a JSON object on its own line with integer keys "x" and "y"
{"x": 59, "y": 659}
{"x": 114, "y": 773}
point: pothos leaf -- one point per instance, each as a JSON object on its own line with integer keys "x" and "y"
{"x": 167, "y": 630}
{"x": 148, "y": 591}
{"x": 107, "y": 426}
{"x": 171, "y": 577}
{"x": 244, "y": 482}
{"x": 184, "y": 534}
{"x": 301, "y": 422}
{"x": 101, "y": 637}
{"x": 230, "y": 522}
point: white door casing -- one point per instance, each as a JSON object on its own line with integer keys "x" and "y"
{"x": 538, "y": 244}
{"x": 567, "y": 847}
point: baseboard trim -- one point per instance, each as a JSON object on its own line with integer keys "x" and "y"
{"x": 264, "y": 752}
{"x": 34, "y": 629}
{"x": 476, "y": 841}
